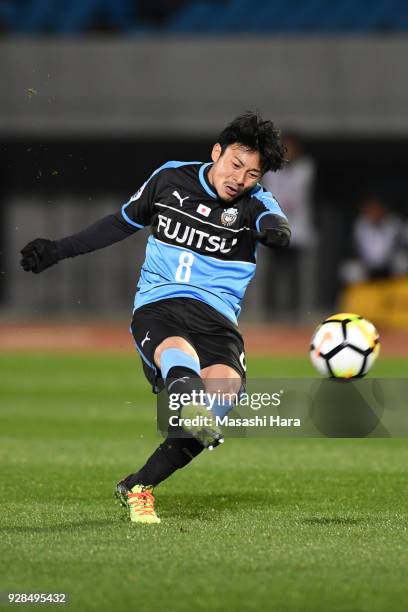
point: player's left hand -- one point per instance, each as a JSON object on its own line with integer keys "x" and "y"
{"x": 38, "y": 255}
{"x": 274, "y": 237}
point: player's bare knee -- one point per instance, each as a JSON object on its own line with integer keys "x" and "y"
{"x": 174, "y": 342}
{"x": 221, "y": 379}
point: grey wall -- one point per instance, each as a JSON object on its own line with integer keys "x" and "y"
{"x": 184, "y": 86}
{"x": 101, "y": 283}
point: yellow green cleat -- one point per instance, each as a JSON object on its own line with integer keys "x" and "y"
{"x": 139, "y": 501}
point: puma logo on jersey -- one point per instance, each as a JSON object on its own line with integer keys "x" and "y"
{"x": 145, "y": 339}
{"x": 180, "y": 199}
{"x": 190, "y": 236}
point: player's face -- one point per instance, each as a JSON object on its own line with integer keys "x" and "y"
{"x": 234, "y": 171}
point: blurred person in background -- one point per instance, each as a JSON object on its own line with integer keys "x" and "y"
{"x": 378, "y": 244}
{"x": 293, "y": 187}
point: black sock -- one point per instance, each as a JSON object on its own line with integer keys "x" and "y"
{"x": 171, "y": 455}
{"x": 180, "y": 380}
{"x": 178, "y": 449}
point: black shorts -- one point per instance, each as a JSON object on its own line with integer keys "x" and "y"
{"x": 215, "y": 338}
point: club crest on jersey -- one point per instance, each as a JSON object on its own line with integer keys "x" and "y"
{"x": 229, "y": 216}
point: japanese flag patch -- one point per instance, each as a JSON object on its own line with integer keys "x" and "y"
{"x": 203, "y": 210}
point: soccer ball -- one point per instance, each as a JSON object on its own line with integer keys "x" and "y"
{"x": 344, "y": 346}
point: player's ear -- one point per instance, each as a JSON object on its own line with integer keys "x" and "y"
{"x": 216, "y": 152}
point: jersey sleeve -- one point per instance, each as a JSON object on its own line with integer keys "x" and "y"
{"x": 265, "y": 210}
{"x": 99, "y": 235}
{"x": 138, "y": 211}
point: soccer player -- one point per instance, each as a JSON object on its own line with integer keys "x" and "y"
{"x": 205, "y": 220}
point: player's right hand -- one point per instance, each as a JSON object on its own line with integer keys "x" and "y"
{"x": 38, "y": 255}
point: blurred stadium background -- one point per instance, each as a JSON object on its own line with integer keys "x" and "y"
{"x": 97, "y": 94}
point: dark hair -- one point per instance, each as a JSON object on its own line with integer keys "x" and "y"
{"x": 255, "y": 134}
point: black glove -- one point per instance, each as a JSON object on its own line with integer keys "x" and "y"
{"x": 277, "y": 238}
{"x": 38, "y": 255}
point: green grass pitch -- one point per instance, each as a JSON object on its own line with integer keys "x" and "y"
{"x": 259, "y": 524}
